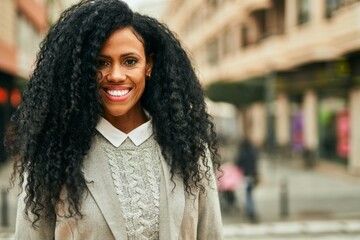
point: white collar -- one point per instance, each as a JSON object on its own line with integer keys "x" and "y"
{"x": 117, "y": 137}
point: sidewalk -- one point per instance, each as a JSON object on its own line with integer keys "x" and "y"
{"x": 335, "y": 229}
{"x": 320, "y": 193}
{"x": 324, "y": 201}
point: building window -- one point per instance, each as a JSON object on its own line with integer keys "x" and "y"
{"x": 261, "y": 28}
{"x": 244, "y": 38}
{"x": 303, "y": 11}
{"x": 279, "y": 11}
{"x": 331, "y": 7}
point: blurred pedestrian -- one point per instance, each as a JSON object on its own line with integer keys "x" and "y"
{"x": 112, "y": 140}
{"x": 229, "y": 180}
{"x": 247, "y": 160}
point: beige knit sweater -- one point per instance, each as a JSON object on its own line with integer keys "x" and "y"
{"x": 136, "y": 173}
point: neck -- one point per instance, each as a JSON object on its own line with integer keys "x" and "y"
{"x": 126, "y": 123}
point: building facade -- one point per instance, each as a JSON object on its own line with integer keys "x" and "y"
{"x": 299, "y": 59}
{"x": 23, "y": 24}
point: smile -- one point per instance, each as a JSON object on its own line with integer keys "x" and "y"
{"x": 118, "y": 93}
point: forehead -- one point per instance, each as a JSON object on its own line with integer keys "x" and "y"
{"x": 124, "y": 38}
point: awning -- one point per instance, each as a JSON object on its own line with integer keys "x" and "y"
{"x": 240, "y": 93}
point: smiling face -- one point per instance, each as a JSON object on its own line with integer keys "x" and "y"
{"x": 123, "y": 66}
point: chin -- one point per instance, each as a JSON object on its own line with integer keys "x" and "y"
{"x": 115, "y": 113}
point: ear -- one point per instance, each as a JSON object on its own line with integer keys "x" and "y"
{"x": 149, "y": 65}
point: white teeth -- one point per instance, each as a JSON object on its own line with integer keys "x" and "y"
{"x": 117, "y": 93}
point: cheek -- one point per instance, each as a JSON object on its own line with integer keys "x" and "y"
{"x": 99, "y": 76}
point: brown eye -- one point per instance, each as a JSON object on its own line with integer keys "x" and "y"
{"x": 102, "y": 63}
{"x": 130, "y": 62}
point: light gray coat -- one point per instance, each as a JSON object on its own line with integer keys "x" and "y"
{"x": 182, "y": 216}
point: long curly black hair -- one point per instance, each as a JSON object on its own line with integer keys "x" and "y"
{"x": 52, "y": 129}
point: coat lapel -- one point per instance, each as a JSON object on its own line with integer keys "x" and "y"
{"x": 100, "y": 185}
{"x": 172, "y": 204}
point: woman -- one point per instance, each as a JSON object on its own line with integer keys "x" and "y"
{"x": 112, "y": 140}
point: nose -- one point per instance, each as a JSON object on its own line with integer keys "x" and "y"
{"x": 116, "y": 74}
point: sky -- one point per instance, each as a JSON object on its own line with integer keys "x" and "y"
{"x": 135, "y": 4}
{"x": 154, "y": 8}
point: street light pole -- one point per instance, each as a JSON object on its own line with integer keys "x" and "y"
{"x": 269, "y": 97}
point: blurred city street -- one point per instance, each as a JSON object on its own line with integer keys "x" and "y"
{"x": 323, "y": 203}
{"x": 284, "y": 74}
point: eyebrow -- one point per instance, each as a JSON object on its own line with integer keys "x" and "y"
{"x": 122, "y": 55}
